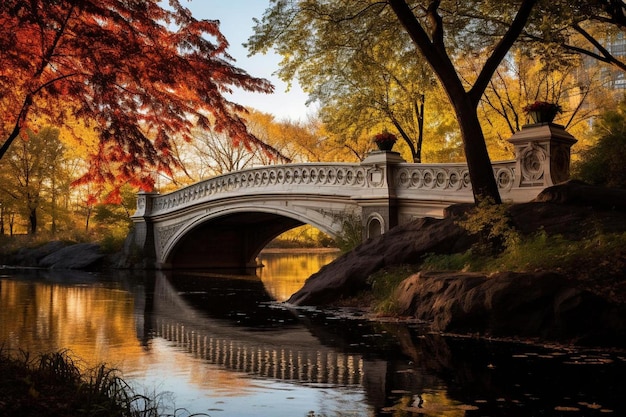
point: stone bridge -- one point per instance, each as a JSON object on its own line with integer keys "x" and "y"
{"x": 225, "y": 221}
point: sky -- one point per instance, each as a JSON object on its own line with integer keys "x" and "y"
{"x": 236, "y": 23}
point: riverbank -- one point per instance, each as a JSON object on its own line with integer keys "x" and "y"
{"x": 568, "y": 283}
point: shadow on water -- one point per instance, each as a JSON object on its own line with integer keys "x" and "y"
{"x": 404, "y": 370}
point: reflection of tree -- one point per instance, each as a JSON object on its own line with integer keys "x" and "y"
{"x": 49, "y": 311}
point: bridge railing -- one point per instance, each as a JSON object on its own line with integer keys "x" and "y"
{"x": 452, "y": 178}
{"x": 336, "y": 179}
{"x": 343, "y": 179}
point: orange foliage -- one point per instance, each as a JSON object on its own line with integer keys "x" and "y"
{"x": 140, "y": 73}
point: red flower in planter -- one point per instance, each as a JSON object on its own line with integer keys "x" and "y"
{"x": 385, "y": 137}
{"x": 543, "y": 106}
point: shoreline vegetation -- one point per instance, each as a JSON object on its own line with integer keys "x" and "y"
{"x": 54, "y": 385}
{"x": 301, "y": 250}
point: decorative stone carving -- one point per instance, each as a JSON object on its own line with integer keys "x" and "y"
{"x": 533, "y": 164}
{"x": 164, "y": 234}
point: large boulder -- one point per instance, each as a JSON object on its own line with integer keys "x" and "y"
{"x": 347, "y": 275}
{"x": 547, "y": 305}
{"x": 32, "y": 256}
{"x": 542, "y": 305}
{"x": 79, "y": 256}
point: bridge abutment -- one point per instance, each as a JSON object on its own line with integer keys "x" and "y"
{"x": 144, "y": 228}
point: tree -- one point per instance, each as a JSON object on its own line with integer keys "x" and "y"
{"x": 603, "y": 164}
{"x": 523, "y": 79}
{"x": 138, "y": 73}
{"x": 32, "y": 167}
{"x": 441, "y": 30}
{"x": 580, "y": 27}
{"x": 213, "y": 153}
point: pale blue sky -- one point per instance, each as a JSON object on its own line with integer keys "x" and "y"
{"x": 235, "y": 18}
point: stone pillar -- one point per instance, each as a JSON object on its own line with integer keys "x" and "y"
{"x": 379, "y": 211}
{"x": 144, "y": 228}
{"x": 542, "y": 153}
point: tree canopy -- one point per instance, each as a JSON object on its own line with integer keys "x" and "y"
{"x": 137, "y": 72}
{"x": 330, "y": 41}
{"x": 440, "y": 31}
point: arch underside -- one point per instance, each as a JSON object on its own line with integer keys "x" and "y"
{"x": 230, "y": 236}
{"x": 231, "y": 242}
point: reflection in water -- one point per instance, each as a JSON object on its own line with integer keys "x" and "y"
{"x": 284, "y": 273}
{"x": 223, "y": 347}
{"x": 43, "y": 313}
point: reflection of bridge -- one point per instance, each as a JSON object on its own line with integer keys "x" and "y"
{"x": 289, "y": 353}
{"x": 225, "y": 221}
{"x": 268, "y": 361}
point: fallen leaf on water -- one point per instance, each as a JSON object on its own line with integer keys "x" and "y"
{"x": 564, "y": 408}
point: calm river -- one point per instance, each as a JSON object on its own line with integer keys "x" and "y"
{"x": 226, "y": 346}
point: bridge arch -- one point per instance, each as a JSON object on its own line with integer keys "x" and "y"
{"x": 232, "y": 238}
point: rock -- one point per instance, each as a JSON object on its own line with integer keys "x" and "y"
{"x": 79, "y": 256}
{"x": 578, "y": 193}
{"x": 536, "y": 304}
{"x": 407, "y": 244}
{"x": 347, "y": 275}
{"x": 542, "y": 305}
{"x": 31, "y": 256}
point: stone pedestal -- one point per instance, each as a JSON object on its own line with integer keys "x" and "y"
{"x": 542, "y": 153}
{"x": 379, "y": 209}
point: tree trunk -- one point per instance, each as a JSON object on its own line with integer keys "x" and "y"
{"x": 32, "y": 219}
{"x": 9, "y": 141}
{"x": 432, "y": 45}
{"x": 419, "y": 112}
{"x": 484, "y": 184}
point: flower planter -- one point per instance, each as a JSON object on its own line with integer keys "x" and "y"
{"x": 542, "y": 111}
{"x": 385, "y": 145}
{"x": 385, "y": 141}
{"x": 542, "y": 116}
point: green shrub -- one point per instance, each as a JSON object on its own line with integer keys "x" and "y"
{"x": 352, "y": 232}
{"x": 112, "y": 242}
{"x": 493, "y": 226}
{"x": 383, "y": 284}
{"x": 603, "y": 164}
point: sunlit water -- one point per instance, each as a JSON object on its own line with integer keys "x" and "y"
{"x": 225, "y": 347}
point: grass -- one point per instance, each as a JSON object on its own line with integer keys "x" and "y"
{"x": 54, "y": 385}
{"x": 538, "y": 251}
{"x": 383, "y": 284}
{"x": 596, "y": 262}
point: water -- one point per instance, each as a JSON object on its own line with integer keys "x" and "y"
{"x": 224, "y": 347}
